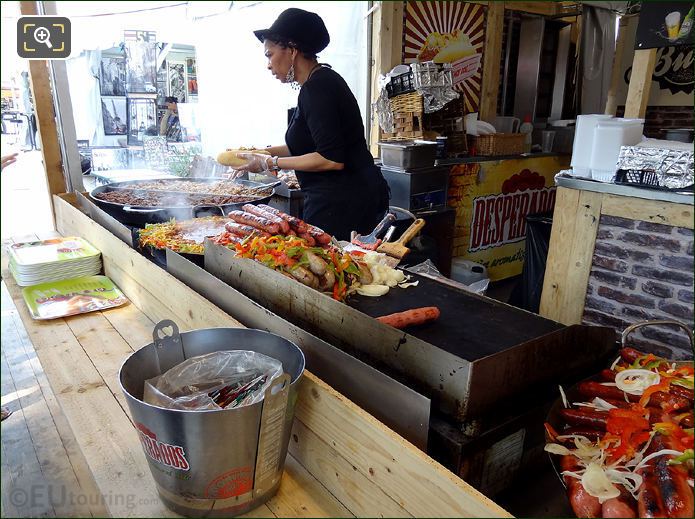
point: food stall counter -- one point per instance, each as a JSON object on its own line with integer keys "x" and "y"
{"x": 326, "y": 474}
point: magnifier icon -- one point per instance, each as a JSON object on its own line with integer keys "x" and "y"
{"x": 42, "y": 35}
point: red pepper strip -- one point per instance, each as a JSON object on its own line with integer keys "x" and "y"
{"x": 631, "y": 426}
{"x": 552, "y": 433}
{"x": 663, "y": 386}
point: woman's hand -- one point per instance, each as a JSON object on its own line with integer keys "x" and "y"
{"x": 257, "y": 162}
{"x": 8, "y": 159}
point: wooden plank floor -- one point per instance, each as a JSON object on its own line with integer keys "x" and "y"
{"x": 40, "y": 461}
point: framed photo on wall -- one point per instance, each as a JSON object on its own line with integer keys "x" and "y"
{"x": 141, "y": 72}
{"x": 176, "y": 80}
{"x": 114, "y": 115}
{"x": 112, "y": 76}
{"x": 142, "y": 119}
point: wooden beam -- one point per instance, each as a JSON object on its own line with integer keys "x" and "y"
{"x": 616, "y": 74}
{"x": 572, "y": 239}
{"x": 640, "y": 83}
{"x": 387, "y": 50}
{"x": 494, "y": 27}
{"x": 654, "y": 211}
{"x": 45, "y": 117}
{"x": 544, "y": 8}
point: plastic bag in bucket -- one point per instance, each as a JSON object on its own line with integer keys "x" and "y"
{"x": 217, "y": 462}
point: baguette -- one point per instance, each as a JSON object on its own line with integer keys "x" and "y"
{"x": 230, "y": 158}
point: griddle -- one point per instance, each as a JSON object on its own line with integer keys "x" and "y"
{"x": 470, "y": 326}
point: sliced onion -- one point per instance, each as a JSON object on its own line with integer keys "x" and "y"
{"x": 597, "y": 484}
{"x": 556, "y": 448}
{"x": 564, "y": 397}
{"x": 575, "y": 475}
{"x": 635, "y": 381}
{"x": 372, "y": 290}
{"x": 602, "y": 405}
{"x": 597, "y": 403}
{"x": 663, "y": 452}
{"x": 615, "y": 363}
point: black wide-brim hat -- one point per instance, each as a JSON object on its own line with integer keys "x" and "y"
{"x": 303, "y": 28}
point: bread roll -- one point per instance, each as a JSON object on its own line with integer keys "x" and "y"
{"x": 229, "y": 157}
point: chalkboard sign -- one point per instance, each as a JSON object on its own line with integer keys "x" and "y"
{"x": 665, "y": 24}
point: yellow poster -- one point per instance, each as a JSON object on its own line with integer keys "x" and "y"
{"x": 492, "y": 200}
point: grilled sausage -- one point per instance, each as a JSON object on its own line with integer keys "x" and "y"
{"x": 316, "y": 264}
{"x": 668, "y": 400}
{"x": 621, "y": 506}
{"x": 672, "y": 481}
{"x": 591, "y": 434}
{"x": 305, "y": 277}
{"x": 258, "y": 222}
{"x": 682, "y": 392}
{"x": 592, "y": 389}
{"x": 607, "y": 375}
{"x": 649, "y": 502}
{"x": 593, "y": 419}
{"x": 583, "y": 504}
{"x": 310, "y": 241}
{"x": 322, "y": 238}
{"x": 327, "y": 281}
{"x": 366, "y": 277}
{"x": 630, "y": 355}
{"x": 243, "y": 230}
{"x": 297, "y": 224}
{"x": 258, "y": 211}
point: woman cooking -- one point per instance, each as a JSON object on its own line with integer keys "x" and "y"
{"x": 325, "y": 144}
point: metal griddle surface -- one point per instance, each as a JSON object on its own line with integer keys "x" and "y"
{"x": 470, "y": 326}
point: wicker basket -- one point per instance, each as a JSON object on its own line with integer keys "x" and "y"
{"x": 407, "y": 116}
{"x": 500, "y": 144}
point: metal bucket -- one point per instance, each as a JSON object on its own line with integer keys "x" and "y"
{"x": 219, "y": 462}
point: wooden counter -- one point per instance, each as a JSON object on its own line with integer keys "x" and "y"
{"x": 576, "y": 219}
{"x": 342, "y": 461}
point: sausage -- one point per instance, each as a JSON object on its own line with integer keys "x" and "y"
{"x": 258, "y": 211}
{"x": 411, "y": 317}
{"x": 243, "y": 230}
{"x": 366, "y": 277}
{"x": 664, "y": 400}
{"x": 688, "y": 421}
{"x": 649, "y": 502}
{"x": 310, "y": 241}
{"x": 672, "y": 482}
{"x": 297, "y": 224}
{"x": 591, "y": 434}
{"x": 630, "y": 355}
{"x": 322, "y": 238}
{"x": 583, "y": 504}
{"x": 607, "y": 375}
{"x": 305, "y": 277}
{"x": 593, "y": 419}
{"x": 621, "y": 506}
{"x": 227, "y": 238}
{"x": 592, "y": 389}
{"x": 327, "y": 281}
{"x": 253, "y": 220}
{"x": 316, "y": 264}
{"x": 682, "y": 392}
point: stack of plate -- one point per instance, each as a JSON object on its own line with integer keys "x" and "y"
{"x": 44, "y": 261}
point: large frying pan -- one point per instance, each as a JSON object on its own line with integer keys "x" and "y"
{"x": 138, "y": 216}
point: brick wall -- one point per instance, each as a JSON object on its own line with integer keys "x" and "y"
{"x": 642, "y": 271}
{"x": 660, "y": 118}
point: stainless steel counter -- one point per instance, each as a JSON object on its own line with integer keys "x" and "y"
{"x": 623, "y": 190}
